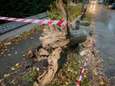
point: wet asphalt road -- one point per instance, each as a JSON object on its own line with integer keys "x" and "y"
{"x": 15, "y": 53}
{"x": 104, "y": 19}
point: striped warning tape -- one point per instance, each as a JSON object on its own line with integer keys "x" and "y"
{"x": 55, "y": 25}
{"x": 35, "y": 21}
{"x": 78, "y": 82}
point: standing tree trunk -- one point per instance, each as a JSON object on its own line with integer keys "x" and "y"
{"x": 63, "y": 6}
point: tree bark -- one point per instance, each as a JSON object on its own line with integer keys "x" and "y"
{"x": 52, "y": 68}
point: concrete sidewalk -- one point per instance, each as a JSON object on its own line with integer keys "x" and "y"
{"x": 16, "y": 32}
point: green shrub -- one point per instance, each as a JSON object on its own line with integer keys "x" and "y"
{"x": 73, "y": 11}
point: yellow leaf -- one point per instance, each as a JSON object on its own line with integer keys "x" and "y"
{"x": 12, "y": 68}
{"x": 17, "y": 65}
{"x": 6, "y": 75}
{"x": 101, "y": 83}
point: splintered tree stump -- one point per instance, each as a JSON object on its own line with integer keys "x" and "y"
{"x": 55, "y": 42}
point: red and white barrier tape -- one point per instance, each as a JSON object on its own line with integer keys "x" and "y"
{"x": 78, "y": 82}
{"x": 35, "y": 21}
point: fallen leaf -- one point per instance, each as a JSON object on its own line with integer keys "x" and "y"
{"x": 12, "y": 68}
{"x": 17, "y": 65}
{"x": 6, "y": 75}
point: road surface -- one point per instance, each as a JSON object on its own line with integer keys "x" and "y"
{"x": 15, "y": 53}
{"x": 104, "y": 20}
